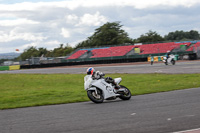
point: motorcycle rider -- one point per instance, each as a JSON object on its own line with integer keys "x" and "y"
{"x": 168, "y": 53}
{"x": 167, "y": 56}
{"x": 98, "y": 75}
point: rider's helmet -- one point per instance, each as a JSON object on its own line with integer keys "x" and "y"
{"x": 90, "y": 71}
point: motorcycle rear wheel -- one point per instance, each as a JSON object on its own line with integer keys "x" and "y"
{"x": 96, "y": 98}
{"x": 173, "y": 62}
{"x": 126, "y": 95}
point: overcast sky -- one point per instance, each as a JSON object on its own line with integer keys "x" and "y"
{"x": 49, "y": 23}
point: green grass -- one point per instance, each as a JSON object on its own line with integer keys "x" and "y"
{"x": 25, "y": 90}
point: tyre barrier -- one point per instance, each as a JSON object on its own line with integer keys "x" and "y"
{"x": 158, "y": 58}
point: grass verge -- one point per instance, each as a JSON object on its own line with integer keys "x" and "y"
{"x": 26, "y": 90}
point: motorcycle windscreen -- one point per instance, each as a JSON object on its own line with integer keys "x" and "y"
{"x": 118, "y": 80}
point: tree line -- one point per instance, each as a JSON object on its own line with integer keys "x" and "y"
{"x": 110, "y": 34}
{"x": 38, "y": 52}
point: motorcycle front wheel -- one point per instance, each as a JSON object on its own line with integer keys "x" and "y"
{"x": 96, "y": 98}
{"x": 126, "y": 95}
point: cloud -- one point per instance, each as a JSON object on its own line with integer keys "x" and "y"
{"x": 17, "y": 22}
{"x": 92, "y": 20}
{"x": 50, "y": 45}
{"x": 13, "y": 35}
{"x": 48, "y": 24}
{"x": 65, "y": 33}
{"x": 71, "y": 18}
{"x": 74, "y": 4}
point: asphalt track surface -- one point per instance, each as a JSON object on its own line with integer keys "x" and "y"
{"x": 153, "y": 113}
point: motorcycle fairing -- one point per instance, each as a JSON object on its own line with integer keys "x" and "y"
{"x": 107, "y": 89}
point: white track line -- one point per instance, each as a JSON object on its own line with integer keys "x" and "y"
{"x": 188, "y": 131}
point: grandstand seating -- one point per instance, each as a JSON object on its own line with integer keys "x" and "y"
{"x": 77, "y": 54}
{"x": 123, "y": 50}
{"x": 159, "y": 47}
{"x": 194, "y": 46}
{"x": 111, "y": 51}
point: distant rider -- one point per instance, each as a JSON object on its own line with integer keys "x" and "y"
{"x": 167, "y": 56}
{"x": 98, "y": 75}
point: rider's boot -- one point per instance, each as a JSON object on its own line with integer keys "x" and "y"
{"x": 117, "y": 87}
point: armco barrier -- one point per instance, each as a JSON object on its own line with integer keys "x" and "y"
{"x": 15, "y": 67}
{"x": 3, "y": 68}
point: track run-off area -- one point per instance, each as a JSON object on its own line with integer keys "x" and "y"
{"x": 167, "y": 112}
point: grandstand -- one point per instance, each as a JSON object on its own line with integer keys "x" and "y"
{"x": 111, "y": 51}
{"x": 126, "y": 53}
{"x": 194, "y": 47}
{"x": 77, "y": 54}
{"x": 145, "y": 49}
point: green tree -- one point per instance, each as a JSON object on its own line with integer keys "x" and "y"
{"x": 61, "y": 51}
{"x": 28, "y": 53}
{"x": 56, "y": 52}
{"x": 182, "y": 36}
{"x": 42, "y": 51}
{"x": 150, "y": 37}
{"x": 107, "y": 34}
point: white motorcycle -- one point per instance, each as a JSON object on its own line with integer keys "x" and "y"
{"x": 98, "y": 90}
{"x": 171, "y": 60}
